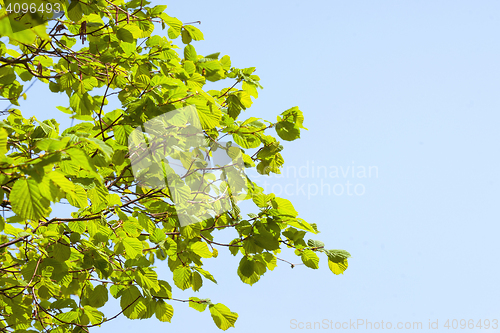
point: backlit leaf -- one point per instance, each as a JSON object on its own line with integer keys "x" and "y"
{"x": 222, "y": 316}
{"x": 27, "y": 200}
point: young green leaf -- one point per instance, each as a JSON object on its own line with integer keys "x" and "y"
{"x": 222, "y": 316}
{"x": 27, "y": 201}
{"x": 164, "y": 311}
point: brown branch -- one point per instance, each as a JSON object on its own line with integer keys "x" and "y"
{"x": 117, "y": 179}
{"x": 224, "y": 94}
{"x": 109, "y": 126}
{"x": 104, "y": 98}
{"x": 179, "y": 100}
{"x": 119, "y": 313}
{"x": 292, "y": 265}
{"x": 14, "y": 241}
{"x": 212, "y": 242}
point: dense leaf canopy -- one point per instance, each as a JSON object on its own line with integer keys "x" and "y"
{"x": 58, "y": 272}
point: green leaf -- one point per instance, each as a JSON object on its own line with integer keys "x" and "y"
{"x": 170, "y": 247}
{"x": 133, "y": 247}
{"x": 147, "y": 279}
{"x": 75, "y": 11}
{"x": 315, "y": 243}
{"x": 99, "y": 296}
{"x": 337, "y": 267}
{"x": 197, "y": 304}
{"x": 310, "y": 259}
{"x": 261, "y": 200}
{"x": 128, "y": 48}
{"x": 258, "y": 270}
{"x": 102, "y": 146}
{"x": 247, "y": 266}
{"x": 80, "y": 158}
{"x": 124, "y": 34}
{"x": 246, "y": 140}
{"x": 60, "y": 180}
{"x": 27, "y": 201}
{"x": 95, "y": 316}
{"x": 301, "y": 224}
{"x": 182, "y": 277}
{"x": 146, "y": 223}
{"x": 49, "y": 144}
{"x": 287, "y": 131}
{"x": 70, "y": 316}
{"x": 77, "y": 198}
{"x": 209, "y": 116}
{"x": 61, "y": 252}
{"x": 77, "y": 226}
{"x": 194, "y": 32}
{"x": 289, "y": 124}
{"x": 196, "y": 281}
{"x": 250, "y": 89}
{"x": 157, "y": 236}
{"x": 165, "y": 290}
{"x": 337, "y": 255}
{"x": 284, "y": 207}
{"x": 196, "y": 82}
{"x": 3, "y": 141}
{"x": 190, "y": 53}
{"x": 225, "y": 62}
{"x": 150, "y": 308}
{"x": 175, "y": 25}
{"x": 121, "y": 134}
{"x": 98, "y": 196}
{"x": 81, "y": 104}
{"x": 164, "y": 311}
{"x": 130, "y": 302}
{"x": 186, "y": 37}
{"x": 132, "y": 227}
{"x": 201, "y": 249}
{"x": 270, "y": 259}
{"x": 206, "y": 274}
{"x": 64, "y": 303}
{"x": 222, "y": 316}
{"x": 157, "y": 10}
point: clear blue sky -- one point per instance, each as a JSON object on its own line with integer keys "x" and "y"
{"x": 408, "y": 87}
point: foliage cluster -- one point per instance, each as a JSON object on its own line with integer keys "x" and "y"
{"x": 58, "y": 272}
